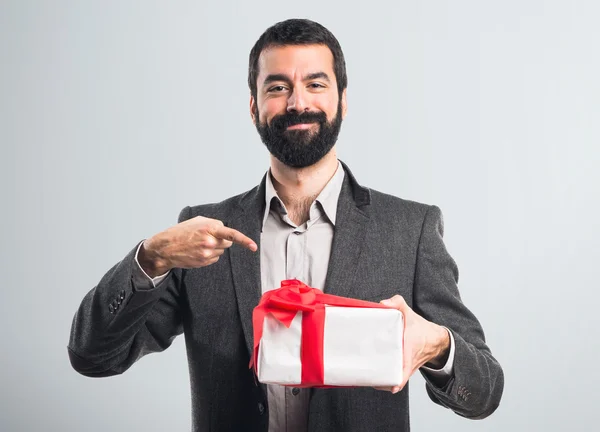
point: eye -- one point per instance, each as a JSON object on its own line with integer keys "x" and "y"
{"x": 276, "y": 89}
{"x": 316, "y": 85}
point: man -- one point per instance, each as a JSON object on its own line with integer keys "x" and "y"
{"x": 308, "y": 219}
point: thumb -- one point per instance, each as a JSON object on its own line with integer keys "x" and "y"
{"x": 396, "y": 302}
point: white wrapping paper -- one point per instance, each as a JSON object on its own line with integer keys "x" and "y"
{"x": 362, "y": 347}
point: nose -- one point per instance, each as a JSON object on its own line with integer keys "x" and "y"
{"x": 297, "y": 102}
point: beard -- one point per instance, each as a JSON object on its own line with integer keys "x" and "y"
{"x": 301, "y": 147}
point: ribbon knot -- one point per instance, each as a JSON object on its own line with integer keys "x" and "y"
{"x": 293, "y": 296}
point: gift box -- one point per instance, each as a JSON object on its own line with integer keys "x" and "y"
{"x": 306, "y": 338}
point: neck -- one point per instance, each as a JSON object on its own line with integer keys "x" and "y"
{"x": 296, "y": 186}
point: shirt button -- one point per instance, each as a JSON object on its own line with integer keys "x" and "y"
{"x": 295, "y": 391}
{"x": 261, "y": 408}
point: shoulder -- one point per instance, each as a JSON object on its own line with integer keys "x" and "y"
{"x": 220, "y": 210}
{"x": 386, "y": 204}
{"x": 395, "y": 211}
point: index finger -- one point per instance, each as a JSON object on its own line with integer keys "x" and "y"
{"x": 235, "y": 236}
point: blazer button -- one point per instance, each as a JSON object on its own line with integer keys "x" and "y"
{"x": 261, "y": 408}
{"x": 295, "y": 391}
{"x": 111, "y": 309}
{"x": 122, "y": 294}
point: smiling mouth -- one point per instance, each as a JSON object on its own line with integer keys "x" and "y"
{"x": 300, "y": 126}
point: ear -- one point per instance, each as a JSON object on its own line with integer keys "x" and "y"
{"x": 344, "y": 104}
{"x": 252, "y": 109}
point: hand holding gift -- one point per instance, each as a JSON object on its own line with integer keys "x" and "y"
{"x": 305, "y": 338}
{"x": 425, "y": 343}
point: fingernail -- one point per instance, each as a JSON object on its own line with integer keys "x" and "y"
{"x": 385, "y": 302}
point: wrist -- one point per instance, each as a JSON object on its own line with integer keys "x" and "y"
{"x": 150, "y": 258}
{"x": 441, "y": 349}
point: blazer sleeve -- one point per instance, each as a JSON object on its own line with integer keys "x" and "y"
{"x": 475, "y": 388}
{"x": 124, "y": 318}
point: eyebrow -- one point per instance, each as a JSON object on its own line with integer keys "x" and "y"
{"x": 281, "y": 77}
{"x": 317, "y": 75}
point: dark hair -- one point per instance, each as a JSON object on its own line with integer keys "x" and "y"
{"x": 297, "y": 32}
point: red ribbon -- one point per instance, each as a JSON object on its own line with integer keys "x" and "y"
{"x": 284, "y": 303}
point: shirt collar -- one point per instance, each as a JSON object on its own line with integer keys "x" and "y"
{"x": 328, "y": 198}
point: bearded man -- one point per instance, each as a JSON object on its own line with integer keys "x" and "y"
{"x": 308, "y": 219}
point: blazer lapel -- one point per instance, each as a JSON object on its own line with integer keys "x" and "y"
{"x": 348, "y": 239}
{"x": 245, "y": 264}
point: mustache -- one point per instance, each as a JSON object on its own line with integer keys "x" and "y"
{"x": 282, "y": 121}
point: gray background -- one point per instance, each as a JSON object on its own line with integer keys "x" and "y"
{"x": 116, "y": 114}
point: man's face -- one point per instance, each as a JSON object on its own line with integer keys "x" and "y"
{"x": 297, "y": 111}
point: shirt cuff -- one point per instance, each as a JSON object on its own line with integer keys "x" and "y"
{"x": 448, "y": 368}
{"x": 141, "y": 279}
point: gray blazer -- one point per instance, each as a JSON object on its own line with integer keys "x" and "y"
{"x": 383, "y": 245}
